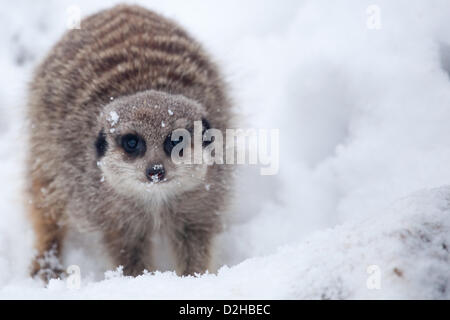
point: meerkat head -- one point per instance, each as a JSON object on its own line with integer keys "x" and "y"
{"x": 135, "y": 143}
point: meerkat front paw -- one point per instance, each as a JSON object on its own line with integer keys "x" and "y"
{"x": 46, "y": 267}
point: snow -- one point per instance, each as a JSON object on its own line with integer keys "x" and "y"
{"x": 364, "y": 151}
{"x": 411, "y": 252}
{"x": 113, "y": 118}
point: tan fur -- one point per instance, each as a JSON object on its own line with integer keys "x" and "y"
{"x": 50, "y": 234}
{"x": 134, "y": 62}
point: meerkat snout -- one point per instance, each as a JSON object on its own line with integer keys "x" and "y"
{"x": 156, "y": 173}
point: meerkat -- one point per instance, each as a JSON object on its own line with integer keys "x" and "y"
{"x": 102, "y": 106}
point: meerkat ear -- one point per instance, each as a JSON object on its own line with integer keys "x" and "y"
{"x": 101, "y": 145}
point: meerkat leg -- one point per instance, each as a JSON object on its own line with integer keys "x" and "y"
{"x": 128, "y": 249}
{"x": 49, "y": 234}
{"x": 49, "y": 237}
{"x": 192, "y": 248}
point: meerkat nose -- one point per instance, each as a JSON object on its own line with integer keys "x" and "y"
{"x": 156, "y": 173}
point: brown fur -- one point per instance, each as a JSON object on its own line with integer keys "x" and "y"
{"x": 138, "y": 58}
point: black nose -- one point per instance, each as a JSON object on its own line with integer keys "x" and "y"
{"x": 156, "y": 173}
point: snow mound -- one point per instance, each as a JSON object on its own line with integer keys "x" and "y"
{"x": 403, "y": 253}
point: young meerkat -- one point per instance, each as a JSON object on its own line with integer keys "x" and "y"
{"x": 103, "y": 106}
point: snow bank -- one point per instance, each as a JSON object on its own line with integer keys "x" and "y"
{"x": 363, "y": 117}
{"x": 402, "y": 253}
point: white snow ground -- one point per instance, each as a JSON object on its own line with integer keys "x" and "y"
{"x": 363, "y": 117}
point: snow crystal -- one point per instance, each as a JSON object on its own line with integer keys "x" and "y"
{"x": 111, "y": 274}
{"x": 113, "y": 118}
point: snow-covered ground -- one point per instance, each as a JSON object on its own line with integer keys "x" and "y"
{"x": 363, "y": 107}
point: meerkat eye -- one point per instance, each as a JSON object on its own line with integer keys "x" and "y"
{"x": 169, "y": 144}
{"x": 132, "y": 144}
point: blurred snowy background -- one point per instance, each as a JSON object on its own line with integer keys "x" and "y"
{"x": 363, "y": 108}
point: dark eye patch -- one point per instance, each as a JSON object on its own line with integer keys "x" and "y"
{"x": 206, "y": 126}
{"x": 133, "y": 145}
{"x": 169, "y": 144}
{"x": 101, "y": 145}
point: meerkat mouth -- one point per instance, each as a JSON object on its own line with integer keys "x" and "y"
{"x": 157, "y": 178}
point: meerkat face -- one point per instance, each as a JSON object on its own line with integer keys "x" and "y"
{"x": 134, "y": 145}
